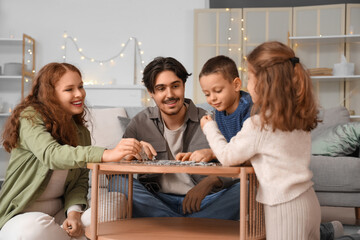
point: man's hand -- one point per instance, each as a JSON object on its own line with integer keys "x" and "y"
{"x": 72, "y": 225}
{"x": 193, "y": 198}
{"x": 202, "y": 155}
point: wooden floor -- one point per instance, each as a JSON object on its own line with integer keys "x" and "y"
{"x": 345, "y": 215}
{"x": 169, "y": 228}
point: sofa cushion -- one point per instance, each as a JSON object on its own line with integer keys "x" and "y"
{"x": 132, "y": 111}
{"x": 331, "y": 117}
{"x": 335, "y": 174}
{"x": 105, "y": 127}
{"x": 124, "y": 121}
{"x": 340, "y": 140}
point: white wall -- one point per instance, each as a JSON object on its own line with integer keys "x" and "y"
{"x": 165, "y": 28}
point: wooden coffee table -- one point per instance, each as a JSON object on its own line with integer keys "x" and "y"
{"x": 250, "y": 226}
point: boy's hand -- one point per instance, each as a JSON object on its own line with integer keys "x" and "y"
{"x": 205, "y": 119}
{"x": 72, "y": 225}
{"x": 202, "y": 155}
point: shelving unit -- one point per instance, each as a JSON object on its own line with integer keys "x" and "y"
{"x": 330, "y": 39}
{"x": 13, "y": 88}
{"x": 321, "y": 35}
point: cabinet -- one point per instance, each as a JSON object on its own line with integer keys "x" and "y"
{"x": 235, "y": 33}
{"x": 321, "y": 35}
{"x": 13, "y": 88}
{"x": 318, "y": 80}
{"x": 216, "y": 32}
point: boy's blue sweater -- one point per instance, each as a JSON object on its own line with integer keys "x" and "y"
{"x": 230, "y": 125}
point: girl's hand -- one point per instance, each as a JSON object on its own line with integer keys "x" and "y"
{"x": 72, "y": 225}
{"x": 127, "y": 146}
{"x": 205, "y": 119}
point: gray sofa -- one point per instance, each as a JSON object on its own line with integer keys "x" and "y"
{"x": 336, "y": 178}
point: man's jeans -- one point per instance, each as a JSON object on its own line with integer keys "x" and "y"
{"x": 224, "y": 204}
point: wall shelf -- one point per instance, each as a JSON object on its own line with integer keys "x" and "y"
{"x": 336, "y": 78}
{"x": 9, "y": 41}
{"x": 116, "y": 95}
{"x": 10, "y": 77}
{"x": 113, "y": 87}
{"x": 327, "y": 38}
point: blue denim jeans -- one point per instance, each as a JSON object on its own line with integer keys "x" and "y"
{"x": 224, "y": 204}
{"x": 327, "y": 233}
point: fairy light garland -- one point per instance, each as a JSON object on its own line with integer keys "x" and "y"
{"x": 110, "y": 60}
{"x": 231, "y": 19}
{"x": 231, "y": 23}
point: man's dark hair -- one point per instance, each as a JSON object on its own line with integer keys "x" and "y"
{"x": 159, "y": 65}
{"x": 220, "y": 64}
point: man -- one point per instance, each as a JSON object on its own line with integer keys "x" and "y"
{"x": 165, "y": 131}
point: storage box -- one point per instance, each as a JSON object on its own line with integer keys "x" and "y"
{"x": 343, "y": 68}
{"x": 12, "y": 69}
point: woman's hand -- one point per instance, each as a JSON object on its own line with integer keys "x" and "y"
{"x": 127, "y": 146}
{"x": 148, "y": 149}
{"x": 72, "y": 225}
{"x": 205, "y": 119}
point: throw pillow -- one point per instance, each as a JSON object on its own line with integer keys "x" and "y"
{"x": 339, "y": 140}
{"x": 124, "y": 121}
{"x": 104, "y": 126}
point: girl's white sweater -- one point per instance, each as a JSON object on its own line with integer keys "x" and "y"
{"x": 280, "y": 159}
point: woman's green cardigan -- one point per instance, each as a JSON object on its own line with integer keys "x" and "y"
{"x": 33, "y": 161}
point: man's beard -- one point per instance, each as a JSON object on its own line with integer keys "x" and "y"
{"x": 170, "y": 100}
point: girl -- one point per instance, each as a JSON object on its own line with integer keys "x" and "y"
{"x": 47, "y": 178}
{"x": 276, "y": 139}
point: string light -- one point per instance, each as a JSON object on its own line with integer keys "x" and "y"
{"x": 234, "y": 23}
{"x": 229, "y": 29}
{"x": 101, "y": 62}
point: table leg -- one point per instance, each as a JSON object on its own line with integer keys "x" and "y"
{"x": 130, "y": 195}
{"x": 243, "y": 203}
{"x": 94, "y": 201}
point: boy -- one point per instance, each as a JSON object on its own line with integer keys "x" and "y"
{"x": 221, "y": 84}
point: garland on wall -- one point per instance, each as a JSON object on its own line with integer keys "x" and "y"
{"x": 236, "y": 23}
{"x": 111, "y": 60}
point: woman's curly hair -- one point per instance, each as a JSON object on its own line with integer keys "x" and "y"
{"x": 43, "y": 99}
